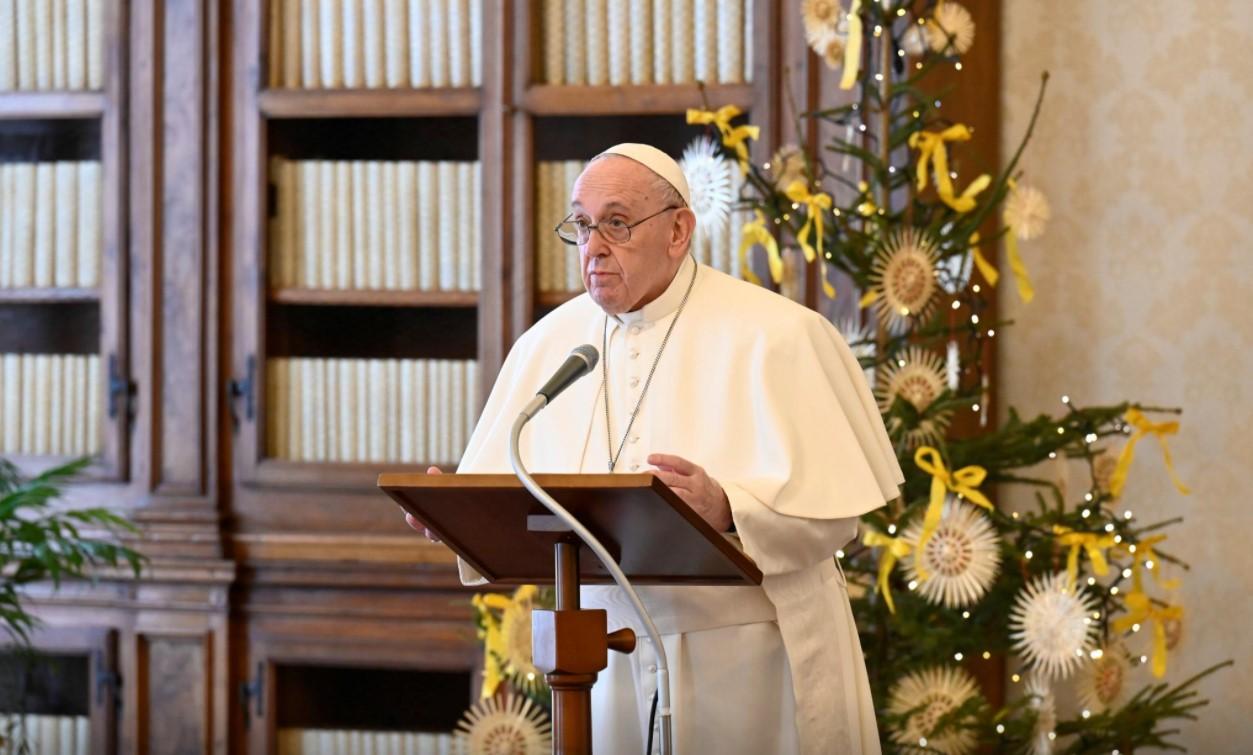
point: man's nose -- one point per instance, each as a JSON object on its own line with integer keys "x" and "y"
{"x": 596, "y": 246}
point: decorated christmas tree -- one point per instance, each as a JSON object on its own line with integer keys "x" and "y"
{"x": 1073, "y": 598}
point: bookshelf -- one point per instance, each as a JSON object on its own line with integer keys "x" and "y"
{"x": 62, "y": 294}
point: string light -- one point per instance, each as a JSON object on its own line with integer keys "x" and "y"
{"x": 1065, "y": 399}
{"x": 1085, "y": 513}
{"x": 958, "y": 65}
{"x": 839, "y": 554}
{"x": 1113, "y": 590}
{"x": 1087, "y": 496}
{"x": 891, "y": 529}
{"x": 1126, "y": 574}
{"x": 957, "y": 657}
{"x": 1096, "y": 654}
{"x": 975, "y": 288}
{"x": 1117, "y": 538}
{"x": 1091, "y": 581}
{"x": 1148, "y": 564}
{"x": 974, "y": 408}
{"x": 957, "y": 305}
{"x": 1015, "y": 678}
{"x": 1052, "y": 454}
{"x": 913, "y": 584}
{"x": 965, "y": 614}
{"x": 1109, "y": 527}
{"x": 991, "y": 332}
{"x": 974, "y": 319}
{"x": 1000, "y": 728}
{"x": 987, "y": 656}
{"x": 861, "y": 127}
{"x": 1135, "y": 627}
{"x": 922, "y": 741}
{"x": 1126, "y": 514}
{"x": 1090, "y": 438}
{"x": 1028, "y": 555}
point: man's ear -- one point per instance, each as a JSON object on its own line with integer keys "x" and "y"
{"x": 681, "y": 231}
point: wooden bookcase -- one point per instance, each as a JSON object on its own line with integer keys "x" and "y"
{"x": 88, "y": 124}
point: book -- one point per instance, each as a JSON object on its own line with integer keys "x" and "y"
{"x": 330, "y": 408}
{"x": 407, "y": 230}
{"x": 559, "y": 204}
{"x": 437, "y": 42}
{"x": 353, "y": 58}
{"x": 472, "y": 397}
{"x": 730, "y": 41}
{"x": 56, "y": 404}
{"x": 682, "y": 59}
{"x": 446, "y": 186}
{"x": 396, "y": 73}
{"x": 95, "y": 44}
{"x": 597, "y": 42}
{"x": 572, "y": 262}
{"x": 65, "y": 234}
{"x": 76, "y": 405}
{"x": 307, "y": 227}
{"x": 543, "y": 177}
{"x": 327, "y": 233}
{"x": 90, "y": 233}
{"x": 75, "y": 44}
{"x": 748, "y": 42}
{"x": 57, "y": 8}
{"x": 95, "y": 395}
{"x": 466, "y": 204}
{"x": 331, "y": 39}
{"x": 374, "y": 43}
{"x": 309, "y": 409}
{"x": 403, "y": 417}
{"x": 7, "y": 208}
{"x": 24, "y": 31}
{"x": 619, "y": 44}
{"x": 391, "y": 224}
{"x": 11, "y": 403}
{"x": 704, "y": 40}
{"x": 43, "y": 43}
{"x": 275, "y": 408}
{"x": 362, "y": 404}
{"x": 458, "y": 43}
{"x": 576, "y": 42}
{"x": 663, "y": 71}
{"x": 391, "y": 409}
{"x": 39, "y": 403}
{"x": 554, "y": 41}
{"x": 292, "y": 54}
{"x": 428, "y": 229}
{"x": 343, "y": 224}
{"x": 82, "y": 735}
{"x": 456, "y": 409}
{"x": 419, "y": 64}
{"x": 310, "y": 45}
{"x": 295, "y": 410}
{"x": 45, "y": 224}
{"x": 274, "y": 43}
{"x": 476, "y": 43}
{"x": 476, "y": 228}
{"x": 434, "y": 445}
{"x": 374, "y": 225}
{"x": 419, "y": 415}
{"x": 8, "y": 45}
{"x": 443, "y": 421}
{"x": 23, "y": 224}
{"x": 360, "y": 223}
{"x": 377, "y": 411}
{"x": 347, "y": 404}
{"x": 641, "y": 33}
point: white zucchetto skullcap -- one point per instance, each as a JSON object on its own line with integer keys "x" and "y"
{"x": 656, "y": 161}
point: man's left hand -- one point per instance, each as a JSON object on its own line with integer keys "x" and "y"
{"x": 695, "y": 487}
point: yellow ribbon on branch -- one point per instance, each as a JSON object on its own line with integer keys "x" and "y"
{"x": 493, "y": 639}
{"x": 893, "y": 548}
{"x": 931, "y": 149}
{"x": 964, "y": 482}
{"x": 815, "y": 206}
{"x": 756, "y": 232}
{"x": 1141, "y": 609}
{"x": 1144, "y": 426}
{"x": 852, "y": 48}
{"x": 1143, "y": 554}
{"x": 1095, "y": 544}
{"x": 733, "y": 137}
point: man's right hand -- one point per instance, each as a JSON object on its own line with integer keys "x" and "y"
{"x": 413, "y": 521}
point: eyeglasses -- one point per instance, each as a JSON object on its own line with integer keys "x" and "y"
{"x": 614, "y": 230}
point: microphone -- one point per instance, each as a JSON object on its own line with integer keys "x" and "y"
{"x": 580, "y": 362}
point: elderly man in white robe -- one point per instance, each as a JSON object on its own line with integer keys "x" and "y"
{"x": 754, "y": 410}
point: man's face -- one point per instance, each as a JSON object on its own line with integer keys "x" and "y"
{"x": 623, "y": 277}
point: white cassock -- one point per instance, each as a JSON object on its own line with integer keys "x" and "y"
{"x": 768, "y": 398}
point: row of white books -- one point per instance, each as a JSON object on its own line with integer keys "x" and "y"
{"x": 31, "y": 734}
{"x": 51, "y": 44}
{"x": 50, "y": 233}
{"x": 50, "y": 404}
{"x": 617, "y": 42}
{"x": 331, "y": 44}
{"x": 557, "y": 263}
{"x": 557, "y": 266}
{"x": 376, "y": 225}
{"x": 370, "y": 410}
{"x": 292, "y": 741}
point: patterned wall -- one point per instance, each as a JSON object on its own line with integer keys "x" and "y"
{"x": 1145, "y": 280}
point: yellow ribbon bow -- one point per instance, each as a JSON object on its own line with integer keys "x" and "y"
{"x": 1095, "y": 544}
{"x": 493, "y": 640}
{"x": 1144, "y": 427}
{"x": 733, "y": 137}
{"x": 964, "y": 482}
{"x": 755, "y": 232}
{"x": 815, "y": 205}
{"x": 1141, "y": 609}
{"x": 1025, "y": 290}
{"x": 852, "y": 48}
{"x": 893, "y": 548}
{"x": 989, "y": 272}
{"x": 930, "y": 146}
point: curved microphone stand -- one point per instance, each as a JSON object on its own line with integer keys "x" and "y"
{"x": 663, "y": 668}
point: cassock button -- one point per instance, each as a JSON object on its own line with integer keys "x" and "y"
{"x": 635, "y": 438}
{"x": 635, "y": 467}
{"x": 635, "y": 353}
{"x": 652, "y": 669}
{"x": 635, "y": 330}
{"x": 634, "y": 382}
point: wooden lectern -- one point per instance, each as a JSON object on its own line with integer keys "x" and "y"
{"x": 496, "y": 526}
